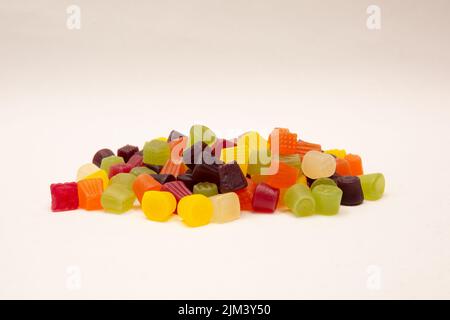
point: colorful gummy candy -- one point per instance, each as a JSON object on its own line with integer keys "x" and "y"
{"x": 203, "y": 178}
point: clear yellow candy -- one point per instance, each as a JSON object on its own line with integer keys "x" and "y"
{"x": 195, "y": 210}
{"x": 226, "y": 207}
{"x": 158, "y": 205}
{"x": 251, "y": 141}
{"x": 338, "y": 153}
{"x": 91, "y": 171}
{"x": 100, "y": 174}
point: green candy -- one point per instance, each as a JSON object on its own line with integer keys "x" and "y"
{"x": 299, "y": 200}
{"x": 372, "y": 185}
{"x": 110, "y": 161}
{"x": 320, "y": 181}
{"x": 328, "y": 199}
{"x": 124, "y": 179}
{"x": 199, "y": 133}
{"x": 207, "y": 189}
{"x": 140, "y": 170}
{"x": 156, "y": 152}
{"x": 292, "y": 160}
{"x": 117, "y": 199}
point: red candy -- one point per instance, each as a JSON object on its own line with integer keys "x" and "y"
{"x": 177, "y": 188}
{"x": 246, "y": 195}
{"x": 136, "y": 160}
{"x": 265, "y": 199}
{"x": 119, "y": 168}
{"x": 64, "y": 196}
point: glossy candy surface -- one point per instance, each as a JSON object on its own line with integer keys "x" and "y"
{"x": 352, "y": 191}
{"x": 143, "y": 183}
{"x": 156, "y": 152}
{"x": 177, "y": 188}
{"x": 317, "y": 165}
{"x": 231, "y": 178}
{"x": 119, "y": 168}
{"x": 265, "y": 198}
{"x": 355, "y": 163}
{"x": 108, "y": 162}
{"x": 246, "y": 195}
{"x": 100, "y": 154}
{"x": 126, "y": 152}
{"x": 158, "y": 205}
{"x": 117, "y": 199}
{"x": 327, "y": 199}
{"x": 206, "y": 173}
{"x": 195, "y": 210}
{"x": 90, "y": 193}
{"x": 320, "y": 181}
{"x": 137, "y": 171}
{"x": 124, "y": 179}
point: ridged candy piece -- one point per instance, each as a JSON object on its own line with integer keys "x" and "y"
{"x": 90, "y": 193}
{"x": 195, "y": 210}
{"x": 355, "y": 163}
{"x": 299, "y": 200}
{"x": 158, "y": 205}
{"x": 320, "y": 181}
{"x": 287, "y": 141}
{"x": 304, "y": 147}
{"x": 372, "y": 185}
{"x": 99, "y": 174}
{"x": 64, "y": 196}
{"x": 327, "y": 198}
{"x": 177, "y": 148}
{"x": 173, "y": 168}
{"x": 317, "y": 165}
{"x": 137, "y": 171}
{"x": 338, "y": 153}
{"x": 343, "y": 167}
{"x": 119, "y": 168}
{"x": 124, "y": 179}
{"x": 206, "y": 188}
{"x": 126, "y": 152}
{"x": 231, "y": 178}
{"x": 137, "y": 160}
{"x": 246, "y": 195}
{"x": 352, "y": 191}
{"x": 226, "y": 207}
{"x": 285, "y": 177}
{"x": 265, "y": 198}
{"x": 143, "y": 183}
{"x": 200, "y": 133}
{"x": 110, "y": 161}
{"x": 100, "y": 155}
{"x": 177, "y": 188}
{"x": 206, "y": 173}
{"x": 156, "y": 152}
{"x": 117, "y": 199}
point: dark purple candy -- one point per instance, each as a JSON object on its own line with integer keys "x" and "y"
{"x": 310, "y": 181}
{"x": 334, "y": 177}
{"x": 163, "y": 178}
{"x": 126, "y": 152}
{"x": 187, "y": 180}
{"x": 206, "y": 173}
{"x": 153, "y": 167}
{"x": 174, "y": 135}
{"x": 231, "y": 178}
{"x": 199, "y": 153}
{"x": 100, "y": 154}
{"x": 352, "y": 193}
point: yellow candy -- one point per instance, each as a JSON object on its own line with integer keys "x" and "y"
{"x": 196, "y": 210}
{"x": 85, "y": 170}
{"x": 158, "y": 205}
{"x": 338, "y": 153}
{"x": 162, "y": 139}
{"x": 100, "y": 174}
{"x": 302, "y": 179}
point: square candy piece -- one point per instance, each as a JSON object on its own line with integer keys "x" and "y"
{"x": 64, "y": 196}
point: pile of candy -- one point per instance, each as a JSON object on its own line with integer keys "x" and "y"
{"x": 204, "y": 179}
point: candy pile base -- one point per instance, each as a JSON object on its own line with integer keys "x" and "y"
{"x": 204, "y": 179}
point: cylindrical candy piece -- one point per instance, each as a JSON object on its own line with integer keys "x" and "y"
{"x": 327, "y": 198}
{"x": 158, "y": 205}
{"x": 317, "y": 165}
{"x": 144, "y": 183}
{"x": 196, "y": 210}
{"x": 355, "y": 163}
{"x": 352, "y": 191}
{"x": 226, "y": 207}
{"x": 125, "y": 179}
{"x": 372, "y": 185}
{"x": 100, "y": 154}
{"x": 117, "y": 199}
{"x": 299, "y": 200}
{"x": 265, "y": 198}
{"x": 320, "y": 181}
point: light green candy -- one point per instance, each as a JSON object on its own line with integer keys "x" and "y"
{"x": 292, "y": 160}
{"x": 207, "y": 189}
{"x": 117, "y": 199}
{"x": 156, "y": 152}
{"x": 372, "y": 185}
{"x": 201, "y": 133}
{"x": 140, "y": 170}
{"x": 124, "y": 179}
{"x": 328, "y": 199}
{"x": 299, "y": 200}
{"x": 321, "y": 181}
{"x": 109, "y": 161}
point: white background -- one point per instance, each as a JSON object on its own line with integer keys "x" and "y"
{"x": 137, "y": 70}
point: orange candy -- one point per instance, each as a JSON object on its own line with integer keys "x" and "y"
{"x": 90, "y": 193}
{"x": 173, "y": 168}
{"x": 355, "y": 163}
{"x": 246, "y": 195}
{"x": 287, "y": 140}
{"x": 284, "y": 178}
{"x": 177, "y": 147}
{"x": 303, "y": 147}
{"x": 143, "y": 183}
{"x": 343, "y": 167}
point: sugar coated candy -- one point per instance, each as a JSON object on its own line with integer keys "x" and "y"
{"x": 320, "y": 181}
{"x": 124, "y": 179}
{"x": 372, "y": 185}
{"x": 117, "y": 198}
{"x": 231, "y": 178}
{"x": 100, "y": 154}
{"x": 327, "y": 199}
{"x": 137, "y": 171}
{"x": 195, "y": 210}
{"x": 64, "y": 196}
{"x": 177, "y": 188}
{"x": 108, "y": 162}
{"x": 119, "y": 168}
{"x": 265, "y": 198}
{"x": 158, "y": 205}
{"x": 143, "y": 183}
{"x": 86, "y": 170}
{"x": 352, "y": 191}
{"x": 156, "y": 152}
{"x": 226, "y": 207}
{"x": 206, "y": 188}
{"x": 299, "y": 200}
{"x": 355, "y": 163}
{"x": 90, "y": 193}
{"x": 317, "y": 165}
{"x": 126, "y": 152}
{"x": 136, "y": 160}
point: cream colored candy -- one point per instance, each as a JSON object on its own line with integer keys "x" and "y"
{"x": 317, "y": 165}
